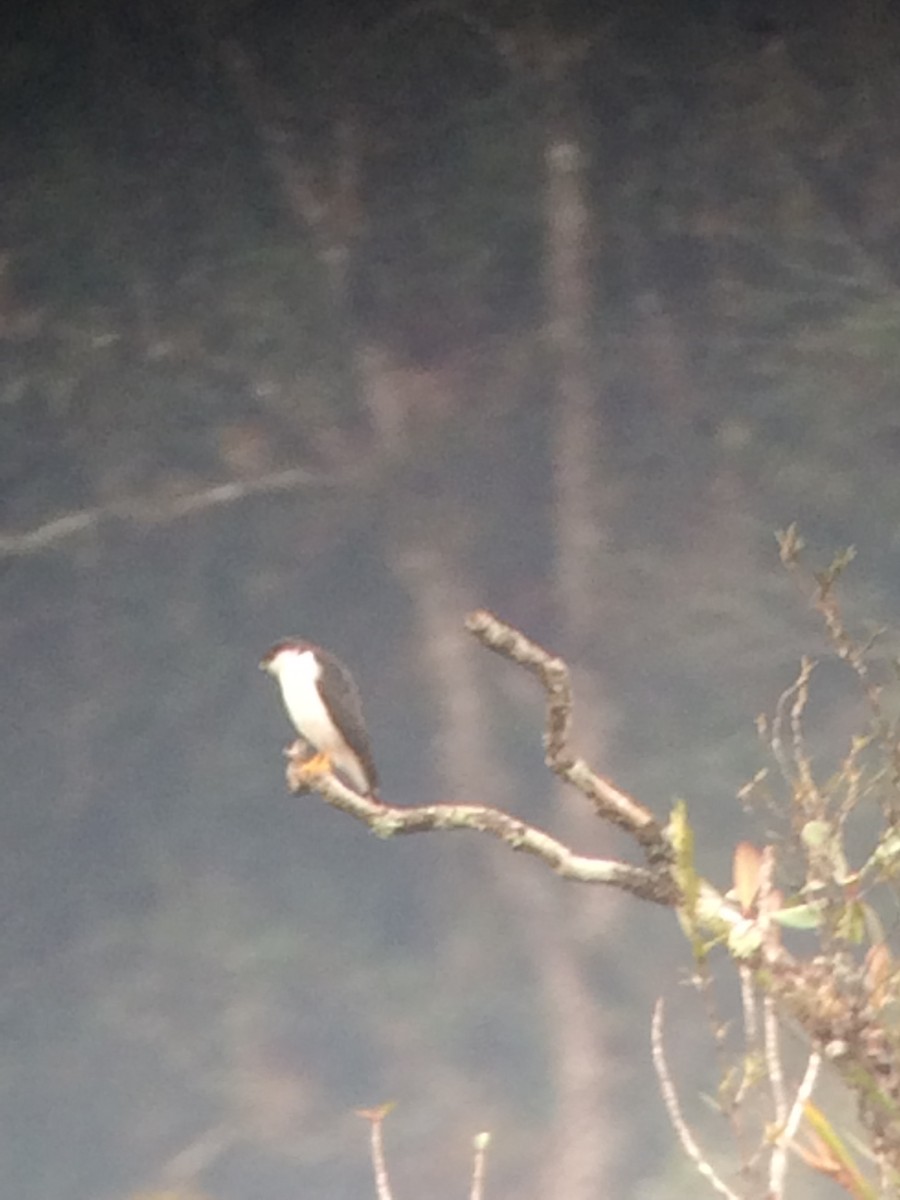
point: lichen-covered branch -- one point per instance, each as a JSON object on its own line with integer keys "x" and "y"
{"x": 388, "y": 820}
{"x": 609, "y": 801}
{"x": 654, "y": 882}
{"x": 831, "y": 997}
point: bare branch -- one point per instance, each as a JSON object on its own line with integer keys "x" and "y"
{"x": 153, "y": 510}
{"x": 188, "y": 1164}
{"x": 790, "y": 707}
{"x": 50, "y": 532}
{"x": 610, "y": 802}
{"x": 482, "y": 1141}
{"x": 787, "y": 1133}
{"x": 771, "y": 1019}
{"x": 673, "y": 1107}
{"x": 379, "y": 1163}
{"x": 387, "y": 820}
{"x": 833, "y": 1007}
{"x": 375, "y": 1117}
{"x": 654, "y": 882}
{"x": 749, "y": 1009}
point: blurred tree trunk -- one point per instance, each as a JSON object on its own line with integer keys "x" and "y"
{"x": 583, "y": 1162}
{"x": 323, "y": 200}
{"x": 578, "y": 1153}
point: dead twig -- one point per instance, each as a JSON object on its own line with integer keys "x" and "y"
{"x": 482, "y": 1141}
{"x": 610, "y": 802}
{"x": 673, "y": 1107}
{"x": 387, "y": 820}
{"x": 157, "y": 510}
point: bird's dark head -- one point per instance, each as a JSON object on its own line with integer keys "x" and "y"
{"x": 285, "y": 650}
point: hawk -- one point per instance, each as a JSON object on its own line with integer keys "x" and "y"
{"x": 322, "y": 701}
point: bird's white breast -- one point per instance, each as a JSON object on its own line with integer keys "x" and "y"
{"x": 298, "y": 675}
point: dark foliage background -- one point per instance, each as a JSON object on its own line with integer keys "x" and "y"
{"x": 185, "y": 948}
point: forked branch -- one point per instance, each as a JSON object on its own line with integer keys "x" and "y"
{"x": 653, "y": 882}
{"x": 837, "y": 1012}
{"x": 610, "y": 802}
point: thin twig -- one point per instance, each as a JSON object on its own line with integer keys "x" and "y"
{"x": 789, "y": 707}
{"x": 809, "y": 795}
{"x": 704, "y": 984}
{"x": 673, "y": 1107}
{"x": 379, "y": 1163}
{"x": 788, "y": 1131}
{"x": 771, "y": 1021}
{"x": 749, "y": 1010}
{"x": 482, "y": 1141}
{"x": 187, "y": 1165}
{"x": 375, "y": 1117}
{"x": 153, "y": 510}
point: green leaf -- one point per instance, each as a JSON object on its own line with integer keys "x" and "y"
{"x": 800, "y": 916}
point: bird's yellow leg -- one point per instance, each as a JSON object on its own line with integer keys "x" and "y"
{"x": 304, "y": 756}
{"x": 303, "y": 771}
{"x": 319, "y": 764}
